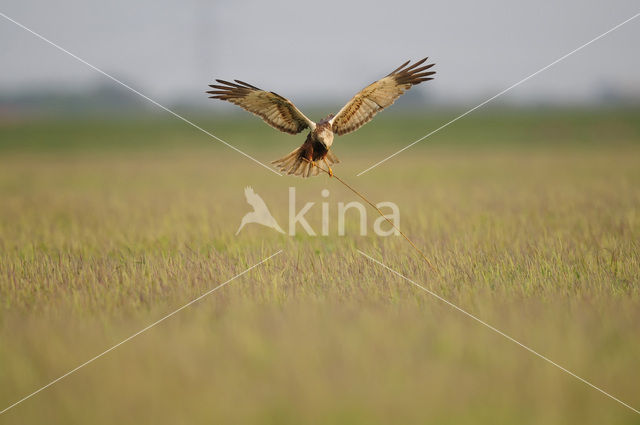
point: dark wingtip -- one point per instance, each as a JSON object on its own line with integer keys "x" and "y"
{"x": 246, "y": 84}
{"x": 420, "y": 62}
{"x": 399, "y": 68}
{"x": 424, "y": 74}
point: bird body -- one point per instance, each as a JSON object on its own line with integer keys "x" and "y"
{"x": 283, "y": 115}
{"x": 315, "y": 148}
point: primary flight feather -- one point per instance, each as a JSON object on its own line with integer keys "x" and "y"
{"x": 282, "y": 114}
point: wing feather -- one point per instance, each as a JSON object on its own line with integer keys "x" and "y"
{"x": 376, "y": 96}
{"x": 275, "y": 110}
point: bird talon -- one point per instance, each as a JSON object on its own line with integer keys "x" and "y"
{"x": 330, "y": 172}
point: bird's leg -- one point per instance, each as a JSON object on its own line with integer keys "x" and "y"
{"x": 310, "y": 160}
{"x": 329, "y": 168}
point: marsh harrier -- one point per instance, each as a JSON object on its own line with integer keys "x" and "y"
{"x": 283, "y": 115}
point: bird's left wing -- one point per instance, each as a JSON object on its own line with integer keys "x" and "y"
{"x": 275, "y": 110}
{"x": 376, "y": 96}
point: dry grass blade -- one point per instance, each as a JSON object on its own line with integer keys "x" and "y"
{"x": 431, "y": 266}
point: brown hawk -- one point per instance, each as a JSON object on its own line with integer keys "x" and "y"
{"x": 283, "y": 115}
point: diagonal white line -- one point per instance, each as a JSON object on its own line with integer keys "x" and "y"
{"x": 501, "y": 93}
{"x": 138, "y": 333}
{"x": 175, "y": 114}
{"x": 498, "y": 331}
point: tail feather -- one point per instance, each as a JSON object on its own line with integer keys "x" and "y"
{"x": 296, "y": 164}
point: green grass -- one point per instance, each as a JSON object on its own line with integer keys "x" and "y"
{"x": 532, "y": 219}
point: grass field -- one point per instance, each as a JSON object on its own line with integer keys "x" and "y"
{"x": 532, "y": 217}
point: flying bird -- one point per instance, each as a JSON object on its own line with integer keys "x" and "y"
{"x": 260, "y": 213}
{"x": 283, "y": 115}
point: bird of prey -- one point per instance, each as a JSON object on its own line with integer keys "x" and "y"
{"x": 283, "y": 115}
{"x": 260, "y": 213}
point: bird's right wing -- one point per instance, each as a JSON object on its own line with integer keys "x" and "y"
{"x": 277, "y": 111}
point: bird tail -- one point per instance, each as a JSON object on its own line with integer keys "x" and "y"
{"x": 297, "y": 164}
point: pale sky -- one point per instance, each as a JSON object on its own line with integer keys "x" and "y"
{"x": 324, "y": 50}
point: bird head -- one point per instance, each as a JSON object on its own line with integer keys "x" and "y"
{"x": 326, "y": 119}
{"x": 324, "y": 134}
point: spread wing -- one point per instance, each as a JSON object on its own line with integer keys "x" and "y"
{"x": 375, "y": 97}
{"x": 274, "y": 109}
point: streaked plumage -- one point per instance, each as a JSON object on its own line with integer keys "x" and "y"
{"x": 283, "y": 115}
